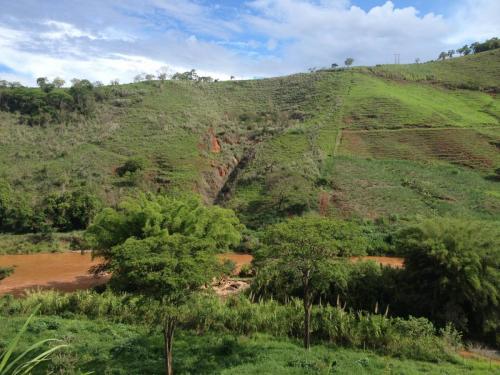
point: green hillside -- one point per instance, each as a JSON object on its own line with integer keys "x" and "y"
{"x": 341, "y": 142}
{"x": 478, "y": 72}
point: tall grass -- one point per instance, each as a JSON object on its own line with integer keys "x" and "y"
{"x": 412, "y": 338}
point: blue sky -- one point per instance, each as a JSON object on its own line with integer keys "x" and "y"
{"x": 104, "y": 39}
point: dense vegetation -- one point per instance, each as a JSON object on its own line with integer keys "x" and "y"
{"x": 305, "y": 171}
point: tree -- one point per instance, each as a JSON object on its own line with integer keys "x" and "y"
{"x": 83, "y": 95}
{"x": 442, "y": 56}
{"x": 465, "y": 50}
{"x": 44, "y": 84}
{"x": 417, "y": 60}
{"x": 58, "y": 82}
{"x": 163, "y": 249}
{"x": 452, "y": 272}
{"x": 334, "y": 66}
{"x": 300, "y": 252}
{"x": 140, "y": 77}
{"x": 349, "y": 61}
{"x": 450, "y": 53}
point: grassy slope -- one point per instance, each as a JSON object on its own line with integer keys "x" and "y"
{"x": 290, "y": 126}
{"x": 473, "y": 71}
{"x": 108, "y": 348}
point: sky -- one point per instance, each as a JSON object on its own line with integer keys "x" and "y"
{"x": 118, "y": 39}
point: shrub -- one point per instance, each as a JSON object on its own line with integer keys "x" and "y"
{"x": 132, "y": 166}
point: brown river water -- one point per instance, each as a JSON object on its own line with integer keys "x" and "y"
{"x": 69, "y": 271}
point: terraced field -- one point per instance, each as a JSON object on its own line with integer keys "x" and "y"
{"x": 464, "y": 147}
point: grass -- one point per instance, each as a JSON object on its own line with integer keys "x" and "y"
{"x": 372, "y": 188}
{"x": 375, "y": 103}
{"x": 465, "y": 147}
{"x": 479, "y": 71}
{"x": 111, "y": 348}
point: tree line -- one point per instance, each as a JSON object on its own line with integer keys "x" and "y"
{"x": 50, "y": 102}
{"x": 56, "y": 212}
{"x": 473, "y": 48}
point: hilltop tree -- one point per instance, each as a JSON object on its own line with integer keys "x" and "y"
{"x": 299, "y": 254}
{"x": 349, "y": 61}
{"x": 58, "y": 82}
{"x": 465, "y": 50}
{"x": 44, "y": 84}
{"x": 442, "y": 56}
{"x": 163, "y": 249}
{"x": 450, "y": 53}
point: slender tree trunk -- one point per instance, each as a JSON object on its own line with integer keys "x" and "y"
{"x": 307, "y": 312}
{"x": 168, "y": 336}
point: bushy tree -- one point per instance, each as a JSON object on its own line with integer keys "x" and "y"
{"x": 465, "y": 50}
{"x": 300, "y": 253}
{"x": 452, "y": 272}
{"x": 349, "y": 61}
{"x": 163, "y": 248}
{"x": 71, "y": 210}
{"x": 132, "y": 165}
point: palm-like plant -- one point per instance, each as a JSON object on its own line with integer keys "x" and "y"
{"x": 21, "y": 364}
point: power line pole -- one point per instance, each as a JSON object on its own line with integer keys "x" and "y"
{"x": 396, "y": 58}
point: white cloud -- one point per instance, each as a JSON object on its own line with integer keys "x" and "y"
{"x": 475, "y": 20}
{"x": 62, "y": 30}
{"x": 322, "y": 33}
{"x": 260, "y": 38}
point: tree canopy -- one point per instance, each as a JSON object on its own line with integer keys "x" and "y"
{"x": 452, "y": 269}
{"x": 300, "y": 253}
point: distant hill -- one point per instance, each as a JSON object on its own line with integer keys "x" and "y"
{"x": 363, "y": 142}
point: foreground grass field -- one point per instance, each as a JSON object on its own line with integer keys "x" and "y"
{"x": 110, "y": 348}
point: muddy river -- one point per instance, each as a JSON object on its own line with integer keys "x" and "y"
{"x": 62, "y": 271}
{"x": 69, "y": 271}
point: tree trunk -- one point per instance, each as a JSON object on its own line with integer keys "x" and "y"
{"x": 307, "y": 312}
{"x": 168, "y": 336}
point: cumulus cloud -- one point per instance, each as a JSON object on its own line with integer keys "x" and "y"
{"x": 103, "y": 39}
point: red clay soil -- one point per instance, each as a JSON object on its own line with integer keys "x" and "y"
{"x": 62, "y": 271}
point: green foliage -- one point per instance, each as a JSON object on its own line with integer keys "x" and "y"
{"x": 62, "y": 211}
{"x": 452, "y": 272}
{"x": 132, "y": 165}
{"x": 170, "y": 266}
{"x": 490, "y": 44}
{"x": 5, "y": 272}
{"x": 148, "y": 215}
{"x": 71, "y": 211}
{"x": 405, "y": 338}
{"x": 301, "y": 251}
{"x": 163, "y": 248}
{"x": 110, "y": 348}
{"x": 21, "y": 365}
{"x": 50, "y": 103}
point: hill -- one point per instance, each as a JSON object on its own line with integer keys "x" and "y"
{"x": 363, "y": 142}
